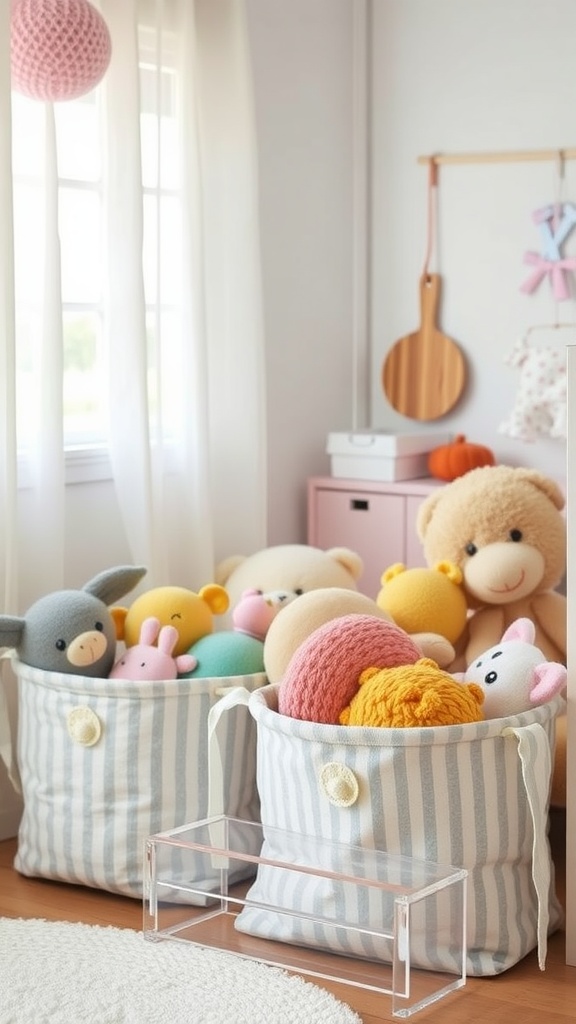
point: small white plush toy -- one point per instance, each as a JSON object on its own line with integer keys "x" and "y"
{"x": 514, "y": 674}
{"x": 540, "y": 406}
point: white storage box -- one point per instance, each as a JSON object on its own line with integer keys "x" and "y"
{"x": 377, "y": 455}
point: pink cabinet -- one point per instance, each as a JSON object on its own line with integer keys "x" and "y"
{"x": 378, "y": 520}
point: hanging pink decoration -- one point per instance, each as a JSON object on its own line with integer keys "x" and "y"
{"x": 554, "y": 224}
{"x": 60, "y": 49}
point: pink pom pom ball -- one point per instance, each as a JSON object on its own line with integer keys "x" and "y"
{"x": 60, "y": 49}
{"x": 322, "y": 675}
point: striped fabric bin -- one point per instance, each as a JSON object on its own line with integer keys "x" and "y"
{"x": 470, "y": 796}
{"x": 105, "y": 763}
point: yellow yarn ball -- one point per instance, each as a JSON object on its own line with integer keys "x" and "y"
{"x": 413, "y": 695}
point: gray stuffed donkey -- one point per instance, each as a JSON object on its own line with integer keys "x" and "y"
{"x": 72, "y": 630}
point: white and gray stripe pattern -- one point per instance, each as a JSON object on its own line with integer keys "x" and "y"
{"x": 450, "y": 795}
{"x": 88, "y": 807}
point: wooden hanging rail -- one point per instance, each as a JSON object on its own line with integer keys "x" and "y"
{"x": 517, "y": 156}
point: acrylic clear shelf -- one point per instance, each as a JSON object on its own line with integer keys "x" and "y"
{"x": 199, "y": 879}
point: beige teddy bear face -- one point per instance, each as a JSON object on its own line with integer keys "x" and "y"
{"x": 294, "y": 568}
{"x": 503, "y": 527}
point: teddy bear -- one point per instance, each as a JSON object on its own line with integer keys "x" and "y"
{"x": 292, "y": 568}
{"x": 191, "y": 613}
{"x": 503, "y": 527}
{"x": 425, "y": 599}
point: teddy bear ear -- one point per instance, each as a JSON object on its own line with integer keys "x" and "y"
{"x": 226, "y": 567}
{"x": 425, "y": 513}
{"x": 543, "y": 483}
{"x": 449, "y": 569}
{"x": 216, "y": 597}
{"x": 392, "y": 571}
{"x": 349, "y": 560}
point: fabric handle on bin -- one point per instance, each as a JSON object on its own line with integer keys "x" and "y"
{"x": 7, "y": 754}
{"x": 536, "y": 759}
{"x": 231, "y": 697}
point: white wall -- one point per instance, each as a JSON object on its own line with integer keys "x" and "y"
{"x": 302, "y": 54}
{"x": 459, "y": 76}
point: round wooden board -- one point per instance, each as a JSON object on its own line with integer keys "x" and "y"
{"x": 424, "y": 373}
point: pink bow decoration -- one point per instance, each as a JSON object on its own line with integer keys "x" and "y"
{"x": 555, "y": 223}
{"x": 543, "y": 267}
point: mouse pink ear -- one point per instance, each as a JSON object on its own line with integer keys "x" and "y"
{"x": 521, "y": 629}
{"x": 549, "y": 679}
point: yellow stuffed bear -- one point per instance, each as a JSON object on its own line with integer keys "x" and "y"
{"x": 425, "y": 599}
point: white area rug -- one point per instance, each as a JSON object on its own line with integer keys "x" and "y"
{"x": 81, "y": 974}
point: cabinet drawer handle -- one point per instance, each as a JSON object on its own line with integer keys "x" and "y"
{"x": 359, "y": 504}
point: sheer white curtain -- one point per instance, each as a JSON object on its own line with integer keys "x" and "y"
{"x": 185, "y": 334}
{"x": 179, "y": 299}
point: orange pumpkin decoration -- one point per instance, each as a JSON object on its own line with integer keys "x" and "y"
{"x": 455, "y": 459}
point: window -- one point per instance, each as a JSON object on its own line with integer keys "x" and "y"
{"x": 80, "y": 138}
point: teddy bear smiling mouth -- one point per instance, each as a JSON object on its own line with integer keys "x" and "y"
{"x": 507, "y": 589}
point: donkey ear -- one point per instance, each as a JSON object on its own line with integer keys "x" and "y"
{"x": 11, "y": 630}
{"x": 112, "y": 584}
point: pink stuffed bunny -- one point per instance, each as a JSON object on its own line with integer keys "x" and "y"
{"x": 144, "y": 660}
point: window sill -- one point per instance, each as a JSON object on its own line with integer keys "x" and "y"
{"x": 87, "y": 464}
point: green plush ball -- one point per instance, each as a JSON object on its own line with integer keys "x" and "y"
{"x": 226, "y": 653}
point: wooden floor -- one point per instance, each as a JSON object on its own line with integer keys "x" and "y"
{"x": 523, "y": 994}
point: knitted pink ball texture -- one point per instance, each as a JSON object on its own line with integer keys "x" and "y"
{"x": 60, "y": 49}
{"x": 323, "y": 674}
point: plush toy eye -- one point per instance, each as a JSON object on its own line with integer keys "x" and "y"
{"x": 471, "y": 548}
{"x": 491, "y": 677}
{"x": 60, "y": 645}
{"x": 99, "y": 626}
{"x": 298, "y": 591}
{"x": 516, "y": 535}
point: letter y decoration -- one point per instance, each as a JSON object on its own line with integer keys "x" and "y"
{"x": 554, "y": 223}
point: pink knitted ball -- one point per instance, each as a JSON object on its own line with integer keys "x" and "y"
{"x": 60, "y": 49}
{"x": 322, "y": 675}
